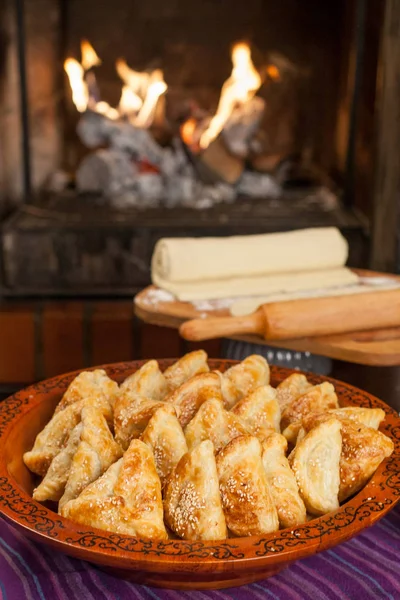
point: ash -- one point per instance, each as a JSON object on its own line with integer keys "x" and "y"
{"x": 131, "y": 169}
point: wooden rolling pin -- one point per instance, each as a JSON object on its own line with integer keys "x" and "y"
{"x": 304, "y": 318}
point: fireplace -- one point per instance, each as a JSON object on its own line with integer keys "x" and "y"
{"x": 129, "y": 121}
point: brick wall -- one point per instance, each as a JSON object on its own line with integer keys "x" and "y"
{"x": 39, "y": 340}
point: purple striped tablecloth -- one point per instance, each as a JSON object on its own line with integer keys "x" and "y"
{"x": 365, "y": 568}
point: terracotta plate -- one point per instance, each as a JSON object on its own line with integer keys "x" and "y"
{"x": 180, "y": 564}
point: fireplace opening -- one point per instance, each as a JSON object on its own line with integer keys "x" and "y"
{"x": 146, "y": 119}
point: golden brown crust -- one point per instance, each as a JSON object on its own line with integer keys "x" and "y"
{"x": 190, "y": 396}
{"x": 52, "y": 439}
{"x": 213, "y": 422}
{"x": 165, "y": 437}
{"x": 53, "y": 484}
{"x": 282, "y": 482}
{"x": 192, "y": 501}
{"x": 146, "y": 382}
{"x": 315, "y": 463}
{"x": 96, "y": 451}
{"x": 240, "y": 380}
{"x": 319, "y": 398}
{"x": 291, "y": 388}
{"x": 126, "y": 499}
{"x": 193, "y": 363}
{"x": 259, "y": 411}
{"x": 89, "y": 384}
{"x": 246, "y": 496}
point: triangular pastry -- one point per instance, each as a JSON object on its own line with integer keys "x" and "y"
{"x": 246, "y": 497}
{"x": 259, "y": 411}
{"x": 363, "y": 450}
{"x": 146, "y": 382}
{"x": 52, "y": 439}
{"x": 370, "y": 417}
{"x": 319, "y": 398}
{"x": 213, "y": 422}
{"x": 282, "y": 482}
{"x": 238, "y": 381}
{"x": 185, "y": 368}
{"x": 53, "y": 484}
{"x": 141, "y": 395}
{"x": 315, "y": 463}
{"x": 125, "y": 500}
{"x": 96, "y": 451}
{"x": 291, "y": 388}
{"x": 132, "y": 419}
{"x": 165, "y": 437}
{"x": 190, "y": 396}
{"x": 192, "y": 501}
{"x": 89, "y": 384}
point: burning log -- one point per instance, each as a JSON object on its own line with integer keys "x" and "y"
{"x": 94, "y": 129}
{"x": 107, "y": 172}
{"x": 219, "y": 163}
{"x": 242, "y": 125}
{"x": 136, "y": 142}
{"x": 266, "y": 163}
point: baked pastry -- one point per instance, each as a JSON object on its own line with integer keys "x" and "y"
{"x": 370, "y": 417}
{"x": 53, "y": 484}
{"x": 165, "y": 437}
{"x": 291, "y": 388}
{"x": 192, "y": 504}
{"x": 319, "y": 398}
{"x": 146, "y": 382}
{"x": 125, "y": 499}
{"x": 315, "y": 463}
{"x": 246, "y": 496}
{"x": 89, "y": 384}
{"x": 141, "y": 394}
{"x": 259, "y": 411}
{"x": 132, "y": 416}
{"x": 282, "y": 482}
{"x": 97, "y": 450}
{"x": 190, "y": 396}
{"x": 52, "y": 439}
{"x": 363, "y": 450}
{"x": 185, "y": 368}
{"x": 213, "y": 422}
{"x": 238, "y": 381}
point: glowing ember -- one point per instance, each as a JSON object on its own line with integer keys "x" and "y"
{"x": 241, "y": 86}
{"x": 76, "y": 75}
{"x": 273, "y": 72}
{"x": 89, "y": 56}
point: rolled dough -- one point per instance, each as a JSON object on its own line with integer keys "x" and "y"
{"x": 199, "y": 260}
{"x": 257, "y": 286}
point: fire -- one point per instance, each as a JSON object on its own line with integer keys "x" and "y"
{"x": 142, "y": 91}
{"x": 273, "y": 73}
{"x": 76, "y": 75}
{"x": 130, "y": 103}
{"x": 89, "y": 56}
{"x": 241, "y": 86}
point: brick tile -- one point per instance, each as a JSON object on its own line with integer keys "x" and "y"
{"x": 62, "y": 337}
{"x": 111, "y": 332}
{"x": 17, "y": 345}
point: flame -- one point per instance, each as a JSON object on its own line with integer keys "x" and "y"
{"x": 103, "y": 108}
{"x": 129, "y": 102}
{"x": 188, "y": 130}
{"x": 76, "y": 75}
{"x": 241, "y": 86}
{"x": 156, "y": 88}
{"x": 89, "y": 56}
{"x": 273, "y": 73}
{"x": 143, "y": 87}
{"x": 138, "y": 82}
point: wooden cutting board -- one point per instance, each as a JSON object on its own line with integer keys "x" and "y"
{"x": 380, "y": 347}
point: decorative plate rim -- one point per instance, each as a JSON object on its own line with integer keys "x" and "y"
{"x": 360, "y": 511}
